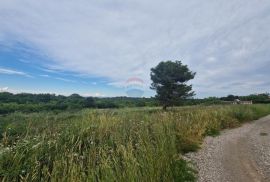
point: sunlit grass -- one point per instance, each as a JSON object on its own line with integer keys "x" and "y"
{"x": 112, "y": 145}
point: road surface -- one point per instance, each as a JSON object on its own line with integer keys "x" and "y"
{"x": 237, "y": 155}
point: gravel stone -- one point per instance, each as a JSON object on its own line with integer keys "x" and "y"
{"x": 237, "y": 155}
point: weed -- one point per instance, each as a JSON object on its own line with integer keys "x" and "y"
{"x": 111, "y": 145}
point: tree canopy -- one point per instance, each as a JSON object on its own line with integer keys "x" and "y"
{"x": 170, "y": 82}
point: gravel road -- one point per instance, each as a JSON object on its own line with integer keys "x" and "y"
{"x": 237, "y": 155}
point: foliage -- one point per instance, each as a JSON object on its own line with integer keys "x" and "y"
{"x": 29, "y": 103}
{"x": 169, "y": 80}
{"x": 89, "y": 102}
{"x": 255, "y": 98}
{"x": 139, "y": 144}
{"x": 49, "y": 102}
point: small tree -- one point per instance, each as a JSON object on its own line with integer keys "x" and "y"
{"x": 170, "y": 82}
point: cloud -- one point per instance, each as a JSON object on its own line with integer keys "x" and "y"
{"x": 24, "y": 61}
{"x": 97, "y": 94}
{"x": 65, "y": 80}
{"x": 223, "y": 41}
{"x": 4, "y": 89}
{"x": 119, "y": 84}
{"x": 46, "y": 76}
{"x": 59, "y": 78}
{"x": 13, "y": 72}
{"x": 48, "y": 70}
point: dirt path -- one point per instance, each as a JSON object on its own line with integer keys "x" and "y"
{"x": 237, "y": 155}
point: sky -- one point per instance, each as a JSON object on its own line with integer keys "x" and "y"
{"x": 94, "y": 47}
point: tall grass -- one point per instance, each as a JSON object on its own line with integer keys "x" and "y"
{"x": 112, "y": 145}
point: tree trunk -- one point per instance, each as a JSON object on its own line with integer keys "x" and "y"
{"x": 165, "y": 107}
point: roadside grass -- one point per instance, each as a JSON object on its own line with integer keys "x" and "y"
{"x": 112, "y": 144}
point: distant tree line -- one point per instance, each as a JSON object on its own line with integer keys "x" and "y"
{"x": 255, "y": 98}
{"x": 26, "y": 102}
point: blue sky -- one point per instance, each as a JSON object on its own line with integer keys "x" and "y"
{"x": 94, "y": 47}
{"x": 23, "y": 71}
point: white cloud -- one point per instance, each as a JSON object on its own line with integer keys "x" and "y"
{"x": 119, "y": 84}
{"x": 211, "y": 59}
{"x": 65, "y": 80}
{"x": 60, "y": 78}
{"x": 220, "y": 40}
{"x": 46, "y": 76}
{"x": 24, "y": 61}
{"x": 48, "y": 70}
{"x": 4, "y": 89}
{"x": 13, "y": 72}
{"x": 96, "y": 94}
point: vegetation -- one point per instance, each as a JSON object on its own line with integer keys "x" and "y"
{"x": 258, "y": 98}
{"x": 25, "y": 102}
{"x": 170, "y": 82}
{"x": 111, "y": 145}
{"x": 28, "y": 103}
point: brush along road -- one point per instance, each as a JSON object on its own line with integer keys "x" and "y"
{"x": 237, "y": 155}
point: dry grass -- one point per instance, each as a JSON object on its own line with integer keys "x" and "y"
{"x": 112, "y": 145}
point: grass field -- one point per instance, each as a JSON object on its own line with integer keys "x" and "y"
{"x": 112, "y": 145}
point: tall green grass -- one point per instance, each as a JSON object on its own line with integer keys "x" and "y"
{"x": 112, "y": 145}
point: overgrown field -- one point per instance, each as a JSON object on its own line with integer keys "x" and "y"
{"x": 111, "y": 145}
